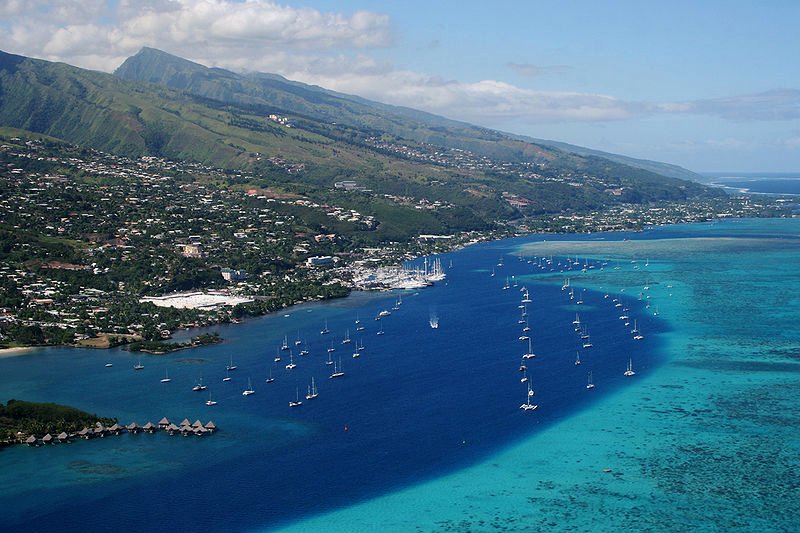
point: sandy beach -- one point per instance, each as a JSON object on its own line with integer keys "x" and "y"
{"x": 11, "y": 352}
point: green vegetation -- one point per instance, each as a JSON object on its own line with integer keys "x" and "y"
{"x": 163, "y": 347}
{"x": 30, "y": 418}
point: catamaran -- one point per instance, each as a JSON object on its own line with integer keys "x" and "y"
{"x": 577, "y": 358}
{"x": 325, "y": 330}
{"x": 291, "y": 364}
{"x": 249, "y": 390}
{"x": 199, "y": 386}
{"x": 231, "y": 366}
{"x": 589, "y": 383}
{"x": 629, "y": 372}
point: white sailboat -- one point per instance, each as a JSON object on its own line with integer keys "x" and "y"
{"x": 529, "y": 354}
{"x": 166, "y": 378}
{"x": 249, "y": 390}
{"x": 325, "y": 330}
{"x": 270, "y": 379}
{"x": 629, "y": 372}
{"x": 199, "y": 387}
{"x": 528, "y": 406}
{"x": 139, "y": 365}
{"x": 291, "y": 364}
{"x": 577, "y": 358}
{"x": 231, "y": 366}
{"x": 589, "y": 382}
{"x": 337, "y": 370}
{"x": 312, "y": 390}
{"x": 346, "y": 339}
{"x": 285, "y": 344}
{"x": 296, "y": 402}
{"x": 210, "y": 401}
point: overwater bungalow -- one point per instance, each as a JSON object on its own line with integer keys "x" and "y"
{"x": 199, "y": 431}
{"x": 85, "y": 433}
{"x": 197, "y": 424}
{"x": 185, "y": 422}
{"x": 63, "y": 437}
{"x": 210, "y": 426}
{"x": 149, "y": 427}
{"x": 172, "y": 428}
{"x": 164, "y": 423}
{"x": 47, "y": 439}
{"x": 116, "y": 429}
{"x": 99, "y": 431}
{"x": 133, "y": 427}
{"x": 31, "y": 441}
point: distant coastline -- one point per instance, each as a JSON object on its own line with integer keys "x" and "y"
{"x": 783, "y": 183}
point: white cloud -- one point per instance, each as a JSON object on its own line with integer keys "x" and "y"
{"x": 330, "y": 49}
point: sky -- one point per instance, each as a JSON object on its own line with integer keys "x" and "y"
{"x": 710, "y": 85}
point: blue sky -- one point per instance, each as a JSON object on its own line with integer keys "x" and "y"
{"x": 709, "y": 85}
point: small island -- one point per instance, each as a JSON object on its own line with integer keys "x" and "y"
{"x": 164, "y": 347}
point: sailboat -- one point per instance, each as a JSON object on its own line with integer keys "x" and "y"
{"x": 139, "y": 365}
{"x": 528, "y": 406}
{"x": 109, "y": 364}
{"x": 577, "y": 358}
{"x": 380, "y": 331}
{"x": 277, "y": 355}
{"x": 199, "y": 386}
{"x": 231, "y": 366}
{"x": 589, "y": 383}
{"x": 637, "y": 335}
{"x": 526, "y": 299}
{"x": 298, "y": 342}
{"x": 629, "y": 372}
{"x": 166, "y": 378}
{"x": 346, "y": 339}
{"x": 587, "y": 343}
{"x": 296, "y": 402}
{"x": 325, "y": 330}
{"x": 249, "y": 390}
{"x": 285, "y": 345}
{"x": 337, "y": 370}
{"x": 270, "y": 379}
{"x": 210, "y": 401}
{"x": 291, "y": 364}
{"x": 529, "y": 354}
{"x": 312, "y": 390}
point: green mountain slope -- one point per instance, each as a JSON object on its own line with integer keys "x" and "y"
{"x": 416, "y": 173}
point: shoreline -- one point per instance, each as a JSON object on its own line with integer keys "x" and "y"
{"x": 16, "y": 351}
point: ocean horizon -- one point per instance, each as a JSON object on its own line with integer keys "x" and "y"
{"x": 424, "y": 430}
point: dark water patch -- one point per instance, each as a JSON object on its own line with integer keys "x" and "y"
{"x": 95, "y": 469}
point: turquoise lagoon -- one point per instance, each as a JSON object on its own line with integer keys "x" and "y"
{"x": 424, "y": 432}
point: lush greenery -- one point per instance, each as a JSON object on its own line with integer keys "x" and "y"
{"x": 30, "y": 418}
{"x": 157, "y": 104}
{"x": 162, "y": 347}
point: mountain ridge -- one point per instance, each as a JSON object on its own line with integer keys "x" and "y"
{"x": 426, "y": 172}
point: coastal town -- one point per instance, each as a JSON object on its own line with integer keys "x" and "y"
{"x": 99, "y": 250}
